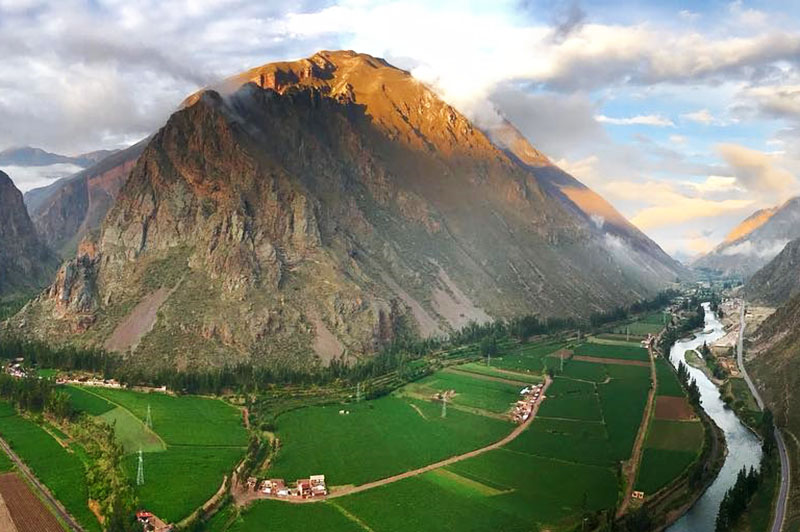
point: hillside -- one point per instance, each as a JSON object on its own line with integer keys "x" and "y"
{"x": 779, "y": 280}
{"x": 755, "y": 241}
{"x": 307, "y": 210}
{"x": 70, "y": 208}
{"x": 25, "y": 263}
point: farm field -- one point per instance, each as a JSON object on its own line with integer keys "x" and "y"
{"x": 282, "y": 516}
{"x": 622, "y": 352}
{"x": 201, "y": 436}
{"x": 649, "y": 324}
{"x": 379, "y": 438}
{"x": 480, "y": 368}
{"x": 668, "y": 383}
{"x": 527, "y": 358}
{"x": 5, "y": 462}
{"x": 471, "y": 391}
{"x": 27, "y": 512}
{"x": 571, "y": 399}
{"x": 84, "y": 401}
{"x": 61, "y": 471}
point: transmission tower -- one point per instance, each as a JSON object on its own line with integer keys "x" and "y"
{"x": 562, "y": 362}
{"x": 444, "y": 405}
{"x": 149, "y": 420}
{"x": 358, "y": 392}
{"x": 627, "y": 334}
{"x": 140, "y": 472}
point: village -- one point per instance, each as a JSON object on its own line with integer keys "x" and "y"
{"x": 306, "y": 488}
{"x": 523, "y": 408}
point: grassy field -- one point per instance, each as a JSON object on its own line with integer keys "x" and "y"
{"x": 377, "y": 439}
{"x": 273, "y": 515}
{"x": 660, "y": 466}
{"x": 195, "y": 441}
{"x": 470, "y": 391}
{"x": 5, "y": 463}
{"x": 480, "y": 368}
{"x": 668, "y": 383}
{"x": 623, "y": 401}
{"x": 569, "y": 440}
{"x": 622, "y": 352}
{"x": 84, "y": 401}
{"x": 570, "y": 399}
{"x": 61, "y": 471}
{"x": 675, "y": 435}
{"x": 649, "y": 324}
{"x": 582, "y": 370}
{"x": 526, "y": 358}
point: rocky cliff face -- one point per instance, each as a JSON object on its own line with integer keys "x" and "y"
{"x": 779, "y": 280}
{"x": 69, "y": 209}
{"x": 25, "y": 263}
{"x": 756, "y": 241}
{"x": 310, "y": 210}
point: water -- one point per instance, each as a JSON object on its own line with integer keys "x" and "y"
{"x": 744, "y": 449}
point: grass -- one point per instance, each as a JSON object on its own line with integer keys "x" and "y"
{"x": 5, "y": 463}
{"x": 180, "y": 479}
{"x": 623, "y": 352}
{"x": 623, "y": 401}
{"x": 660, "y": 466}
{"x": 589, "y": 371}
{"x": 183, "y": 420}
{"x": 204, "y": 441}
{"x": 675, "y": 435}
{"x": 131, "y": 432}
{"x": 377, "y": 439}
{"x": 573, "y": 441}
{"x": 649, "y": 324}
{"x": 274, "y": 515}
{"x": 84, "y": 401}
{"x": 61, "y": 471}
{"x": 526, "y": 358}
{"x": 571, "y": 399}
{"x": 480, "y": 368}
{"x": 668, "y": 383}
{"x": 470, "y": 391}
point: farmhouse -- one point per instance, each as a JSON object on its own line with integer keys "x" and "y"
{"x": 313, "y": 486}
{"x": 524, "y": 407}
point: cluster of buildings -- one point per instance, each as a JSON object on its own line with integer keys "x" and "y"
{"x": 523, "y": 409}
{"x": 151, "y": 523}
{"x": 305, "y": 488}
{"x": 90, "y": 381}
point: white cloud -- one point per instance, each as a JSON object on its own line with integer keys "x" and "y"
{"x": 642, "y": 120}
{"x": 703, "y": 116}
{"x": 759, "y": 172}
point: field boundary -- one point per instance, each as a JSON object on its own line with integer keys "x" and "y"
{"x": 146, "y": 428}
{"x": 618, "y": 361}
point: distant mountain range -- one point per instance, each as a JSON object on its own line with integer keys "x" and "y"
{"x": 28, "y": 156}
{"x": 755, "y": 241}
{"x": 308, "y": 210}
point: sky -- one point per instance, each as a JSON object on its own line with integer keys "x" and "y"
{"x": 684, "y": 115}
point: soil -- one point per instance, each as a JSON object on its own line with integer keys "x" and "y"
{"x": 138, "y": 323}
{"x": 6, "y": 524}
{"x": 674, "y": 408}
{"x": 27, "y": 511}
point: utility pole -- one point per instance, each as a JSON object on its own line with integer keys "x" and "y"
{"x": 562, "y": 361}
{"x": 358, "y": 392}
{"x": 140, "y": 472}
{"x": 149, "y": 420}
{"x": 627, "y": 334}
{"x": 444, "y": 405}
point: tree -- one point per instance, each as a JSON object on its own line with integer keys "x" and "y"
{"x": 489, "y": 346}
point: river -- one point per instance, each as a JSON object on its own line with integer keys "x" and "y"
{"x": 744, "y": 449}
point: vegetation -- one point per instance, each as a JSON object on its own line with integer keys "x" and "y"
{"x": 473, "y": 392}
{"x": 622, "y": 352}
{"x": 282, "y": 516}
{"x": 661, "y": 300}
{"x": 668, "y": 381}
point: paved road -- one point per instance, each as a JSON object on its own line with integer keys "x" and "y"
{"x": 783, "y": 493}
{"x": 44, "y": 493}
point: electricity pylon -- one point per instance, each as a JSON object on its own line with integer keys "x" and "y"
{"x": 149, "y": 420}
{"x": 140, "y": 472}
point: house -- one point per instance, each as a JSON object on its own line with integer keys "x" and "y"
{"x": 318, "y": 486}
{"x": 274, "y": 487}
{"x": 251, "y": 483}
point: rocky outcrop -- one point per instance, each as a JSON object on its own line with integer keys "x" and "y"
{"x": 25, "y": 263}
{"x": 317, "y": 209}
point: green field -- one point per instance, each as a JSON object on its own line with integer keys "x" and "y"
{"x": 569, "y": 399}
{"x": 273, "y": 515}
{"x": 574, "y": 441}
{"x": 84, "y": 401}
{"x": 377, "y": 439}
{"x": 194, "y": 443}
{"x": 480, "y": 368}
{"x": 660, "y": 466}
{"x": 623, "y": 352}
{"x": 675, "y": 435}
{"x": 61, "y": 471}
{"x": 471, "y": 391}
{"x": 582, "y": 370}
{"x": 526, "y": 358}
{"x": 668, "y": 383}
{"x": 5, "y": 463}
{"x": 623, "y": 402}
{"x": 650, "y": 324}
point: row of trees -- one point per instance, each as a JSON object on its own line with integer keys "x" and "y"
{"x": 661, "y": 300}
{"x": 36, "y": 396}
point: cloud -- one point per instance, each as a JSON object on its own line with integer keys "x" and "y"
{"x": 758, "y": 172}
{"x": 765, "y": 250}
{"x": 703, "y": 116}
{"x": 641, "y": 120}
{"x": 568, "y": 20}
{"x": 716, "y": 184}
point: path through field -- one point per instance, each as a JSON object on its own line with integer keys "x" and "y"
{"x": 247, "y": 497}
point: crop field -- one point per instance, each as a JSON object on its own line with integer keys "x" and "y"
{"x": 650, "y": 324}
{"x": 623, "y": 402}
{"x": 622, "y": 352}
{"x": 131, "y": 432}
{"x": 660, "y": 466}
{"x": 674, "y": 408}
{"x": 194, "y": 442}
{"x": 84, "y": 401}
{"x": 273, "y": 515}
{"x": 379, "y": 438}
{"x": 675, "y": 435}
{"x": 480, "y": 368}
{"x": 27, "y": 511}
{"x": 574, "y": 441}
{"x": 583, "y": 370}
{"x": 668, "y": 383}
{"x": 5, "y": 462}
{"x": 474, "y": 392}
{"x": 570, "y": 399}
{"x": 526, "y": 358}
{"x": 61, "y": 471}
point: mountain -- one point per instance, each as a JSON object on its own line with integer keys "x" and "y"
{"x": 25, "y": 263}
{"x": 779, "y": 280}
{"x": 65, "y": 211}
{"x": 755, "y": 241}
{"x": 307, "y": 210}
{"x": 28, "y": 156}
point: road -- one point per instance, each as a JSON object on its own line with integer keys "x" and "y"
{"x": 245, "y": 498}
{"x": 43, "y": 492}
{"x": 783, "y": 493}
